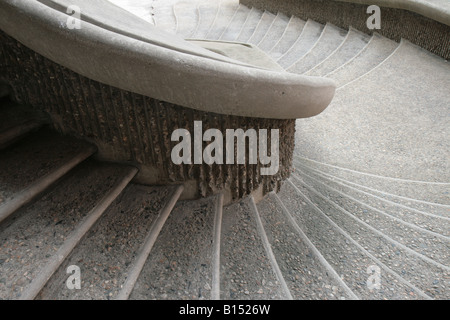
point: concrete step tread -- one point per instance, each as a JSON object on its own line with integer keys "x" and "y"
{"x": 206, "y": 15}
{"x": 290, "y": 35}
{"x": 275, "y": 32}
{"x": 236, "y": 24}
{"x": 352, "y": 45}
{"x": 415, "y": 195}
{"x": 405, "y": 230}
{"x": 264, "y": 24}
{"x": 309, "y": 36}
{"x": 187, "y": 18}
{"x": 341, "y": 249}
{"x": 223, "y": 18}
{"x": 304, "y": 274}
{"x": 34, "y": 163}
{"x": 32, "y": 237}
{"x": 106, "y": 253}
{"x": 180, "y": 267}
{"x": 250, "y": 24}
{"x": 246, "y": 272}
{"x": 377, "y": 50}
{"x": 330, "y": 39}
{"x": 400, "y": 260}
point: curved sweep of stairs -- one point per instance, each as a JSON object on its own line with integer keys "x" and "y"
{"x": 370, "y": 189}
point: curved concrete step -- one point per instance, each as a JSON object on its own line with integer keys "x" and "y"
{"x": 106, "y": 254}
{"x": 275, "y": 32}
{"x": 187, "y": 18}
{"x": 164, "y": 17}
{"x": 263, "y": 26}
{"x": 413, "y": 206}
{"x": 330, "y": 39}
{"x": 428, "y": 196}
{"x": 236, "y": 24}
{"x": 206, "y": 16}
{"x": 354, "y": 42}
{"x": 377, "y": 50}
{"x": 250, "y": 24}
{"x": 430, "y": 241}
{"x": 306, "y": 272}
{"x": 52, "y": 157}
{"x": 223, "y": 18}
{"x": 246, "y": 269}
{"x": 181, "y": 266}
{"x": 288, "y": 38}
{"x": 39, "y": 236}
{"x": 310, "y": 35}
{"x": 400, "y": 259}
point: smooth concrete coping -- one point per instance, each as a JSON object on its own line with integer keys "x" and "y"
{"x": 438, "y": 10}
{"x": 116, "y": 48}
{"x": 244, "y": 52}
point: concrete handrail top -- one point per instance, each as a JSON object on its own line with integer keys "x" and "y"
{"x": 177, "y": 71}
{"x": 438, "y": 10}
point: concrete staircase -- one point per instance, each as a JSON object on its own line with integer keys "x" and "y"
{"x": 369, "y": 198}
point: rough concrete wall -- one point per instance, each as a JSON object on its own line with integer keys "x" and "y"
{"x": 132, "y": 128}
{"x": 395, "y": 23}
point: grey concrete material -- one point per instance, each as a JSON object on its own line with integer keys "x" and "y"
{"x": 438, "y": 10}
{"x": 206, "y": 15}
{"x": 429, "y": 276}
{"x": 250, "y": 24}
{"x": 414, "y": 207}
{"x": 305, "y": 276}
{"x": 246, "y": 272}
{"x": 223, "y": 18}
{"x": 264, "y": 24}
{"x": 217, "y": 232}
{"x": 114, "y": 19}
{"x": 248, "y": 53}
{"x": 180, "y": 265}
{"x": 237, "y": 23}
{"x": 430, "y": 243}
{"x": 24, "y": 179}
{"x": 397, "y": 23}
{"x": 310, "y": 34}
{"x": 354, "y": 42}
{"x": 128, "y": 127}
{"x": 275, "y": 32}
{"x": 33, "y": 236}
{"x": 377, "y": 50}
{"x": 187, "y": 18}
{"x": 106, "y": 253}
{"x": 330, "y": 39}
{"x": 147, "y": 245}
{"x": 415, "y": 194}
{"x": 288, "y": 38}
{"x": 165, "y": 19}
{"x": 347, "y": 257}
{"x": 36, "y": 285}
{"x": 404, "y": 111}
{"x": 269, "y": 252}
{"x": 232, "y": 91}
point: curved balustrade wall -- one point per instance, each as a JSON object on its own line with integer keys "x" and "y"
{"x": 133, "y": 128}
